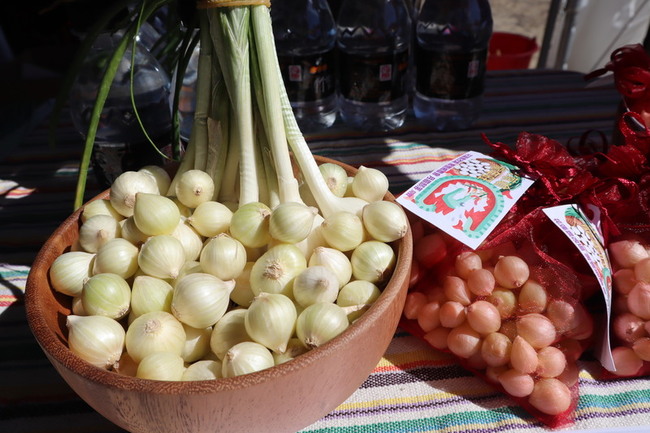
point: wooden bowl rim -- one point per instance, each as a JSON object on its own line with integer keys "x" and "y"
{"x": 53, "y": 347}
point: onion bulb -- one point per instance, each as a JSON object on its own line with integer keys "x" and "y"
{"x": 246, "y": 357}
{"x": 336, "y": 178}
{"x": 496, "y": 349}
{"x": 106, "y": 295}
{"x": 155, "y": 214}
{"x": 161, "y": 366}
{"x": 100, "y": 207}
{"x": 550, "y": 396}
{"x": 551, "y": 362}
{"x": 369, "y": 184}
{"x": 126, "y": 186}
{"x": 373, "y": 261}
{"x": 626, "y": 361}
{"x": 384, "y": 220}
{"x": 191, "y": 241}
{"x": 343, "y": 230}
{"x": 206, "y": 369}
{"x": 249, "y": 224}
{"x": 160, "y": 177}
{"x": 516, "y": 383}
{"x": 536, "y": 329}
{"x": 200, "y": 300}
{"x": 197, "y": 343}
{"x": 70, "y": 270}
{"x": 291, "y": 222}
{"x": 194, "y": 187}
{"x": 315, "y": 284}
{"x": 130, "y": 232}
{"x": 638, "y": 300}
{"x": 483, "y": 317}
{"x": 162, "y": 256}
{"x": 335, "y": 260}
{"x": 511, "y": 272}
{"x": 319, "y": 323}
{"x": 294, "y": 348}
{"x": 98, "y": 340}
{"x": 228, "y": 331}
{"x": 242, "y": 294}
{"x": 463, "y": 341}
{"x": 157, "y": 331}
{"x": 97, "y": 230}
{"x": 523, "y": 356}
{"x": 466, "y": 262}
{"x": 223, "y": 256}
{"x": 275, "y": 270}
{"x": 211, "y": 218}
{"x": 271, "y": 320}
{"x": 357, "y": 292}
{"x": 117, "y": 256}
{"x": 150, "y": 294}
{"x": 626, "y": 253}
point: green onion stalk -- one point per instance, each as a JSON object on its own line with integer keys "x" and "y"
{"x": 244, "y": 117}
{"x": 244, "y": 133}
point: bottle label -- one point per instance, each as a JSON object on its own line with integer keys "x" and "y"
{"x": 378, "y": 78}
{"x": 308, "y": 78}
{"x": 450, "y": 75}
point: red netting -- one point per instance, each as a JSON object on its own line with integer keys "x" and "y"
{"x": 554, "y": 262}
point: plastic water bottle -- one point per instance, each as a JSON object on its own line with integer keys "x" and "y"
{"x": 373, "y": 39}
{"x": 305, "y": 39}
{"x": 120, "y": 143}
{"x": 451, "y": 50}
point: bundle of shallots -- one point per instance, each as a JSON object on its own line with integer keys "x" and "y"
{"x": 624, "y": 194}
{"x": 512, "y": 310}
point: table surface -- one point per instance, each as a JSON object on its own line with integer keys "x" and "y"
{"x": 413, "y": 388}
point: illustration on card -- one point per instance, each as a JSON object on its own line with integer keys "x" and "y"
{"x": 591, "y": 244}
{"x": 584, "y": 232}
{"x": 471, "y": 195}
{"x": 467, "y": 197}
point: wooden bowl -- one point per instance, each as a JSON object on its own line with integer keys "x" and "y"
{"x": 284, "y": 398}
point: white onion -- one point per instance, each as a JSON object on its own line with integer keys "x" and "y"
{"x": 70, "y": 270}
{"x": 200, "y": 299}
{"x": 126, "y": 186}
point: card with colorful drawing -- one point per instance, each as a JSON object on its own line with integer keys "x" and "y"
{"x": 585, "y": 233}
{"x": 467, "y": 197}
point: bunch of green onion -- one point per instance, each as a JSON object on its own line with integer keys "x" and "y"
{"x": 235, "y": 263}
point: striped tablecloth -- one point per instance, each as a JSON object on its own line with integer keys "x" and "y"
{"x": 413, "y": 388}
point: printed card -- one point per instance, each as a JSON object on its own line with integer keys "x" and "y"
{"x": 586, "y": 235}
{"x": 467, "y": 197}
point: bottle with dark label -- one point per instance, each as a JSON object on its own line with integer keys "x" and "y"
{"x": 373, "y": 40}
{"x": 452, "y": 38}
{"x": 305, "y": 39}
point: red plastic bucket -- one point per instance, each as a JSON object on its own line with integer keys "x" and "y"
{"x": 510, "y": 51}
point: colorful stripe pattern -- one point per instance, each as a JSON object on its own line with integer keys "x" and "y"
{"x": 413, "y": 388}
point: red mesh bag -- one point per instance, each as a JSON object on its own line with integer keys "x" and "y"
{"x": 624, "y": 194}
{"x": 512, "y": 310}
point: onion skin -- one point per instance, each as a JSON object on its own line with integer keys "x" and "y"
{"x": 550, "y": 396}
